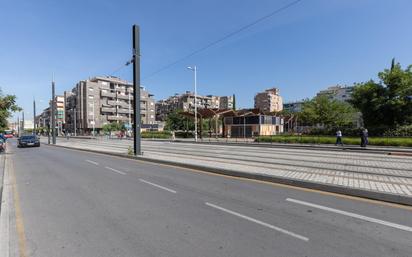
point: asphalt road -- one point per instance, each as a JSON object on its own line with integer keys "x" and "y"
{"x": 75, "y": 203}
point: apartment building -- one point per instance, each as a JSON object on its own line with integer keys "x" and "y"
{"x": 44, "y": 119}
{"x": 186, "y": 102}
{"x": 293, "y": 107}
{"x": 269, "y": 101}
{"x": 60, "y": 113}
{"x": 98, "y": 101}
{"x": 226, "y": 102}
{"x": 340, "y": 93}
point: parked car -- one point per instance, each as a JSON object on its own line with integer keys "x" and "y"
{"x": 8, "y": 134}
{"x": 29, "y": 140}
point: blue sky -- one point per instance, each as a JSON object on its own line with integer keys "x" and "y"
{"x": 308, "y": 47}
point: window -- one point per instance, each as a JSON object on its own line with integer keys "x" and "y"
{"x": 104, "y": 83}
{"x": 90, "y": 89}
{"x": 91, "y": 97}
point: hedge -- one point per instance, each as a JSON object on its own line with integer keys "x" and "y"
{"x": 381, "y": 141}
{"x": 156, "y": 134}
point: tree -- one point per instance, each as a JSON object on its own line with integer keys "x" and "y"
{"x": 108, "y": 128}
{"x": 176, "y": 121}
{"x": 234, "y": 102}
{"x": 386, "y": 104}
{"x": 327, "y": 113}
{"x": 7, "y": 107}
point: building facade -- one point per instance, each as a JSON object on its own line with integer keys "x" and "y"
{"x": 269, "y": 101}
{"x": 293, "y": 107}
{"x": 226, "y": 102}
{"x": 252, "y": 126}
{"x": 186, "y": 102}
{"x": 60, "y": 113}
{"x": 339, "y": 93}
{"x": 98, "y": 101}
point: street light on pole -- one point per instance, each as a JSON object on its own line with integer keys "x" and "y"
{"x": 194, "y": 69}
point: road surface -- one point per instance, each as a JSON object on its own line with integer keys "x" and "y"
{"x": 74, "y": 203}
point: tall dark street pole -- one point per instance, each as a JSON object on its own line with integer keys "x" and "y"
{"x": 34, "y": 117}
{"x": 53, "y": 115}
{"x": 136, "y": 90}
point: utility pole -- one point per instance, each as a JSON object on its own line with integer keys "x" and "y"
{"x": 34, "y": 117}
{"x": 136, "y": 90}
{"x": 53, "y": 114}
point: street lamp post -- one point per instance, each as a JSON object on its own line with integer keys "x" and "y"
{"x": 194, "y": 69}
{"x": 137, "y": 149}
{"x": 53, "y": 114}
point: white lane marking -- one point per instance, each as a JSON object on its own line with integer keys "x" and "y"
{"x": 353, "y": 215}
{"x": 158, "y": 186}
{"x": 117, "y": 171}
{"x": 95, "y": 163}
{"x": 259, "y": 222}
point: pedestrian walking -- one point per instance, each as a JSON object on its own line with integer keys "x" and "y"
{"x": 339, "y": 138}
{"x": 364, "y": 138}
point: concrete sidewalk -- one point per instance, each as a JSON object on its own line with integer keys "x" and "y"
{"x": 370, "y": 175}
{"x": 250, "y": 142}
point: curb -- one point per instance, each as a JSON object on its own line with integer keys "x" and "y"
{"x": 4, "y": 212}
{"x": 400, "y": 154}
{"x": 387, "y": 197}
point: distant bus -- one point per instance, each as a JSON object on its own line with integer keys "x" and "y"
{"x": 8, "y": 133}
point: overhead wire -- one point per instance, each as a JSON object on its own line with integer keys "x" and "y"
{"x": 231, "y": 34}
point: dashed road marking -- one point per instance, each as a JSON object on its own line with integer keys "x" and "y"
{"x": 158, "y": 186}
{"x": 287, "y": 232}
{"x": 353, "y": 215}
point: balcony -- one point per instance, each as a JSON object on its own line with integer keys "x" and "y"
{"x": 124, "y": 97}
{"x": 120, "y": 89}
{"x": 106, "y": 109}
{"x": 111, "y": 103}
{"x": 108, "y": 94}
{"x": 120, "y": 118}
{"x": 125, "y": 111}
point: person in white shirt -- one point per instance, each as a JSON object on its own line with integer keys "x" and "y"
{"x": 339, "y": 138}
